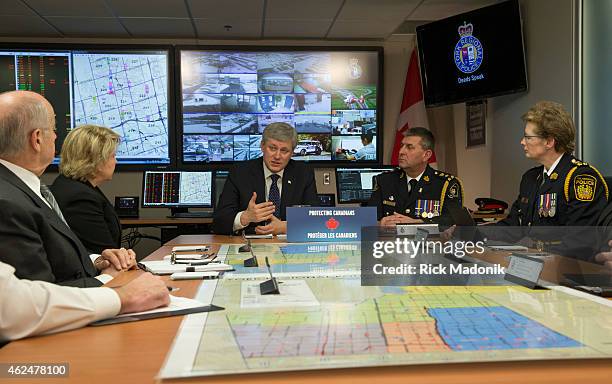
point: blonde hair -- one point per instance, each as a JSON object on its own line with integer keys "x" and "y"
{"x": 85, "y": 149}
{"x": 552, "y": 120}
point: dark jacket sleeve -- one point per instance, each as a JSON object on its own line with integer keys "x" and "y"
{"x": 23, "y": 248}
{"x": 453, "y": 197}
{"x": 376, "y": 197}
{"x": 228, "y": 207}
{"x": 85, "y": 215}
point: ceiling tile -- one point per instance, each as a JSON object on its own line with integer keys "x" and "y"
{"x": 89, "y": 26}
{"x": 378, "y": 10}
{"x": 148, "y": 8}
{"x": 226, "y": 9}
{"x": 16, "y": 7}
{"x": 214, "y": 28}
{"x": 14, "y": 26}
{"x": 296, "y": 28}
{"x": 79, "y": 8}
{"x": 360, "y": 30}
{"x": 440, "y": 9}
{"x": 300, "y": 9}
{"x": 158, "y": 27}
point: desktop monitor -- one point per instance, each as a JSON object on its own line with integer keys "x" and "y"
{"x": 178, "y": 191}
{"x": 355, "y": 185}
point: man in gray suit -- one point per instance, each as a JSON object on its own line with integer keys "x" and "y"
{"x": 35, "y": 239}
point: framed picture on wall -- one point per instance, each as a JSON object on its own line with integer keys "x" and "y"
{"x": 476, "y": 123}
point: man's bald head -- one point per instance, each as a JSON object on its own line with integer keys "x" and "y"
{"x": 21, "y": 112}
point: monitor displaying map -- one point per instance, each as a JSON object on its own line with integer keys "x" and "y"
{"x": 228, "y": 96}
{"x": 123, "y": 89}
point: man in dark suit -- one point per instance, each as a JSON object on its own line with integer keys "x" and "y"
{"x": 35, "y": 239}
{"x": 415, "y": 192}
{"x": 257, "y": 192}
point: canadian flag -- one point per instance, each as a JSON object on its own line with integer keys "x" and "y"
{"x": 412, "y": 112}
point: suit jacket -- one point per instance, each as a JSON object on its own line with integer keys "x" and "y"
{"x": 89, "y": 213}
{"x": 298, "y": 188}
{"x": 36, "y": 242}
{"x": 435, "y": 192}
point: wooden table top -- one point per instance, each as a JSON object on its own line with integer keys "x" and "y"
{"x": 135, "y": 352}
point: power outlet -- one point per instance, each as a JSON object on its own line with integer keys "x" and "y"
{"x": 326, "y": 178}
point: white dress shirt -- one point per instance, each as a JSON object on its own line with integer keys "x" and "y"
{"x": 268, "y": 181}
{"x": 33, "y": 182}
{"x": 408, "y": 178}
{"x": 29, "y": 308}
{"x": 552, "y": 167}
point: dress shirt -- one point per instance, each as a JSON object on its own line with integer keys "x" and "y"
{"x": 31, "y": 308}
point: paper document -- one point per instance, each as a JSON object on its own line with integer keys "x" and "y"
{"x": 508, "y": 247}
{"x": 164, "y": 267}
{"x": 190, "y": 248}
{"x": 293, "y": 293}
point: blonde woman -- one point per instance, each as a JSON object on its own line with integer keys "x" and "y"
{"x": 87, "y": 161}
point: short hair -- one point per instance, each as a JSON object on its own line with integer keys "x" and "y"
{"x": 85, "y": 149}
{"x": 552, "y": 120}
{"x": 368, "y": 137}
{"x": 281, "y": 132}
{"x": 427, "y": 138}
{"x": 18, "y": 118}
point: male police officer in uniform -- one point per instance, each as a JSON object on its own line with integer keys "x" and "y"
{"x": 562, "y": 190}
{"x": 415, "y": 192}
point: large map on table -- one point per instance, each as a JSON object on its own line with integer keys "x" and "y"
{"x": 353, "y": 326}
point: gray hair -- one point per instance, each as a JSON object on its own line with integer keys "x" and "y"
{"x": 427, "y": 138}
{"x": 20, "y": 114}
{"x": 281, "y": 132}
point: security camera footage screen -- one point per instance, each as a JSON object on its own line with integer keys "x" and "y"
{"x": 230, "y": 97}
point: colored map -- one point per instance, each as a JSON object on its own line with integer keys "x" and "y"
{"x": 128, "y": 94}
{"x": 350, "y": 325}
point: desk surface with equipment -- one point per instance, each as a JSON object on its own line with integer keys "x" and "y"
{"x": 135, "y": 352}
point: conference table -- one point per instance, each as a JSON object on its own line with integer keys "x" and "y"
{"x": 135, "y": 352}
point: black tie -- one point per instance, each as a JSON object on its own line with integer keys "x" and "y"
{"x": 413, "y": 185}
{"x": 46, "y": 193}
{"x": 544, "y": 179}
{"x": 274, "y": 195}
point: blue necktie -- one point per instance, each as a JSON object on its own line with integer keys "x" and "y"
{"x": 274, "y": 195}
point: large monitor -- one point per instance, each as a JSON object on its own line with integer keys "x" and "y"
{"x": 178, "y": 191}
{"x": 126, "y": 89}
{"x": 355, "y": 185}
{"x": 228, "y": 96}
{"x": 473, "y": 55}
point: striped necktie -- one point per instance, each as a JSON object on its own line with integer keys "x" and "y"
{"x": 46, "y": 193}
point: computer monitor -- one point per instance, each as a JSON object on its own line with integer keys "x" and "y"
{"x": 178, "y": 191}
{"x": 354, "y": 185}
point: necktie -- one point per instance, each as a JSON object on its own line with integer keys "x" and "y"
{"x": 46, "y": 193}
{"x": 413, "y": 185}
{"x": 544, "y": 179}
{"x": 274, "y": 194}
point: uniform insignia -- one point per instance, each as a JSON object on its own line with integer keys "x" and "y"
{"x": 390, "y": 203}
{"x": 554, "y": 176}
{"x": 420, "y": 190}
{"x": 584, "y": 187}
{"x": 453, "y": 192}
{"x": 426, "y": 178}
{"x": 288, "y": 181}
{"x": 391, "y": 198}
{"x": 441, "y": 174}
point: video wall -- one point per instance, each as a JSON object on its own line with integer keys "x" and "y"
{"x": 125, "y": 90}
{"x": 228, "y": 97}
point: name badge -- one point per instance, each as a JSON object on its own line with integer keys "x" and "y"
{"x": 524, "y": 270}
{"x": 388, "y": 202}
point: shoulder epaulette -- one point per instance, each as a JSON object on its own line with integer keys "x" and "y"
{"x": 578, "y": 164}
{"x": 447, "y": 182}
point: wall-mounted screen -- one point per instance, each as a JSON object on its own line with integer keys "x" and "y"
{"x": 473, "y": 55}
{"x": 229, "y": 96}
{"x": 126, "y": 90}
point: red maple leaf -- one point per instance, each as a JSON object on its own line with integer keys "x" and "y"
{"x": 332, "y": 223}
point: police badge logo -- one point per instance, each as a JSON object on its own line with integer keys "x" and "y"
{"x": 468, "y": 52}
{"x": 354, "y": 70}
{"x": 453, "y": 192}
{"x": 584, "y": 187}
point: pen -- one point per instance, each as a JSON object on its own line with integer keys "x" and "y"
{"x": 172, "y": 289}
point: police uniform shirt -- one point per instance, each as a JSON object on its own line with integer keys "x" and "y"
{"x": 572, "y": 192}
{"x": 434, "y": 192}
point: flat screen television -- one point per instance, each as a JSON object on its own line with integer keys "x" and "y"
{"x": 227, "y": 96}
{"x": 126, "y": 89}
{"x": 474, "y": 55}
{"x": 178, "y": 191}
{"x": 355, "y": 185}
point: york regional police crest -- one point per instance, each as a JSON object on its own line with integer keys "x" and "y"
{"x": 468, "y": 53}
